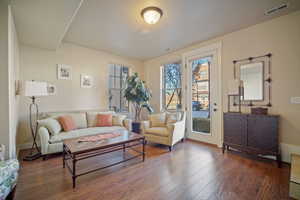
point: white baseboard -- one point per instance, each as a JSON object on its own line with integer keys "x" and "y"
{"x": 287, "y": 150}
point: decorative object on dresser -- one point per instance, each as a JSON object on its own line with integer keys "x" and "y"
{"x": 255, "y": 72}
{"x": 255, "y": 134}
{"x": 34, "y": 89}
{"x": 295, "y": 177}
{"x": 235, "y": 88}
{"x": 259, "y": 111}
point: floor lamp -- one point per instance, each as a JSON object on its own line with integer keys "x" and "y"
{"x": 34, "y": 89}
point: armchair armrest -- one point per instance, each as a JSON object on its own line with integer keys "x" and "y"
{"x": 128, "y": 124}
{"x": 177, "y": 130}
{"x": 44, "y": 138}
{"x": 144, "y": 125}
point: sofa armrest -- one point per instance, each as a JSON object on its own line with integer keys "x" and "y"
{"x": 44, "y": 139}
{"x": 144, "y": 125}
{"x": 128, "y": 124}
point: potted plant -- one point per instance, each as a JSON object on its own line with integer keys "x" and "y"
{"x": 138, "y": 95}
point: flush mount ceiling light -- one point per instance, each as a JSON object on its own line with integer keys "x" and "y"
{"x": 151, "y": 14}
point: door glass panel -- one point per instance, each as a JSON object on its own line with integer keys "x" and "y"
{"x": 201, "y": 95}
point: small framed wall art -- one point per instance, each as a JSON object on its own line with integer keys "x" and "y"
{"x": 64, "y": 72}
{"x": 86, "y": 81}
{"x": 51, "y": 89}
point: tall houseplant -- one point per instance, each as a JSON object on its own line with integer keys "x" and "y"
{"x": 138, "y": 95}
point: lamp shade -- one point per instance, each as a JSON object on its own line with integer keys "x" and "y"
{"x": 34, "y": 89}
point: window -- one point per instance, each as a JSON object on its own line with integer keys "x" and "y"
{"x": 117, "y": 79}
{"x": 171, "y": 86}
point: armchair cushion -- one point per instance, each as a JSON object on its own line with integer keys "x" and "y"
{"x": 159, "y": 131}
{"x": 158, "y": 120}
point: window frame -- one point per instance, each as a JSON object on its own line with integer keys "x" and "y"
{"x": 112, "y": 87}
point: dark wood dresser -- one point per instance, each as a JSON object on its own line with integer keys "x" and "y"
{"x": 255, "y": 134}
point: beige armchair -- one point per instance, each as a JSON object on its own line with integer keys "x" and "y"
{"x": 165, "y": 128}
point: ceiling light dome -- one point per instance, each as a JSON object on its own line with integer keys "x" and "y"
{"x": 151, "y": 15}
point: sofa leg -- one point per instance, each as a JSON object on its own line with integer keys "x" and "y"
{"x": 182, "y": 140}
{"x": 44, "y": 157}
{"x": 170, "y": 148}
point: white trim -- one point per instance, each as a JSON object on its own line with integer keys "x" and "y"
{"x": 215, "y": 48}
{"x": 69, "y": 24}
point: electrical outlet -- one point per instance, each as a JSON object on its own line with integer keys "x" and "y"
{"x": 295, "y": 100}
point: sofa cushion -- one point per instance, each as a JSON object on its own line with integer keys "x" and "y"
{"x": 83, "y": 132}
{"x": 117, "y": 120}
{"x": 104, "y": 120}
{"x": 67, "y": 123}
{"x": 159, "y": 131}
{"x": 92, "y": 117}
{"x": 157, "y": 120}
{"x": 79, "y": 118}
{"x": 51, "y": 124}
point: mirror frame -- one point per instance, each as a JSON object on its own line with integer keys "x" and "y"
{"x": 266, "y": 61}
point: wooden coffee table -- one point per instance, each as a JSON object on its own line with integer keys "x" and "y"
{"x": 74, "y": 151}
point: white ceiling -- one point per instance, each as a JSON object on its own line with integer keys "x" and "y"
{"x": 116, "y": 26}
{"x": 43, "y": 23}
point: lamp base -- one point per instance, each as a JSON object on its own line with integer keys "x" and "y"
{"x": 32, "y": 157}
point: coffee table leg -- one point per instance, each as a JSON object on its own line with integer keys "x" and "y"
{"x": 143, "y": 150}
{"x": 74, "y": 172}
{"x": 123, "y": 147}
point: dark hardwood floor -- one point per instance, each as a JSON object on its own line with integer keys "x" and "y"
{"x": 191, "y": 171}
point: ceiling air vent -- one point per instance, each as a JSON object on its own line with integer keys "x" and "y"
{"x": 276, "y": 9}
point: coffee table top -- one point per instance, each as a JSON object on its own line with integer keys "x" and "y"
{"x": 76, "y": 147}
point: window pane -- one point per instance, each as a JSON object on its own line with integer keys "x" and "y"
{"x": 200, "y": 95}
{"x": 117, "y": 79}
{"x": 172, "y": 86}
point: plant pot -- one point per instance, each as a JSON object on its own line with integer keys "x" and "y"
{"x": 136, "y": 127}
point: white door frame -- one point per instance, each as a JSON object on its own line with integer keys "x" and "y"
{"x": 214, "y": 49}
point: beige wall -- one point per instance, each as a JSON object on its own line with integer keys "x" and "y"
{"x": 281, "y": 37}
{"x": 40, "y": 64}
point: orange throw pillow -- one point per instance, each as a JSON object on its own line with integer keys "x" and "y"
{"x": 104, "y": 120}
{"x": 67, "y": 123}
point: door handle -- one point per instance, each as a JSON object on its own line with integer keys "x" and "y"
{"x": 215, "y": 110}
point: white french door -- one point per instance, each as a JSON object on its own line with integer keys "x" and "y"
{"x": 203, "y": 96}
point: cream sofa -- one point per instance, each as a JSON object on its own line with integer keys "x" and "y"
{"x": 165, "y": 128}
{"x": 51, "y": 134}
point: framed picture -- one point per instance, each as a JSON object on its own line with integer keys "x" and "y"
{"x": 51, "y": 89}
{"x": 64, "y": 72}
{"x": 86, "y": 81}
